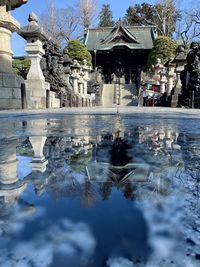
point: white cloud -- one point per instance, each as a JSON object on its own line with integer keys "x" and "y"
{"x": 73, "y": 240}
{"x": 119, "y": 262}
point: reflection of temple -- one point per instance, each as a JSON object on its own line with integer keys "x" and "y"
{"x": 159, "y": 139}
{"x": 123, "y": 158}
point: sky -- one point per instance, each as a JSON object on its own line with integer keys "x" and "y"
{"x": 118, "y": 8}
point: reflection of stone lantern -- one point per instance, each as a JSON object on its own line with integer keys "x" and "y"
{"x": 38, "y": 162}
{"x": 35, "y": 82}
{"x": 10, "y": 185}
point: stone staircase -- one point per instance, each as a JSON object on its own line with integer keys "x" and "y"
{"x": 108, "y": 95}
{"x": 119, "y": 94}
{"x": 128, "y": 95}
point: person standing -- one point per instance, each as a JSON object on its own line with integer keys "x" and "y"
{"x": 145, "y": 97}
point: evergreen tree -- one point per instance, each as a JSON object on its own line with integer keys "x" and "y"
{"x": 164, "y": 48}
{"x": 21, "y": 66}
{"x": 106, "y": 17}
{"x": 140, "y": 14}
{"x": 163, "y": 14}
{"x": 78, "y": 51}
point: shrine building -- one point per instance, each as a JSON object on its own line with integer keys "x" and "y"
{"x": 120, "y": 50}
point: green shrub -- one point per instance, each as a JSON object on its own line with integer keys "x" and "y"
{"x": 164, "y": 48}
{"x": 78, "y": 51}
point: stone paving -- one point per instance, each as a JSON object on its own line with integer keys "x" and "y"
{"x": 104, "y": 110}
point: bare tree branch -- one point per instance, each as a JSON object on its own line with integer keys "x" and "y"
{"x": 190, "y": 26}
{"x": 61, "y": 24}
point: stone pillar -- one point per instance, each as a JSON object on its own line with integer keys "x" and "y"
{"x": 85, "y": 72}
{"x": 81, "y": 87}
{"x": 75, "y": 75}
{"x": 35, "y": 82}
{"x": 170, "y": 78}
{"x": 10, "y": 84}
{"x": 75, "y": 83}
{"x": 163, "y": 81}
{"x": 178, "y": 87}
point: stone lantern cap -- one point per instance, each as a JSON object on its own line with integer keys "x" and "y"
{"x": 33, "y": 29}
{"x": 181, "y": 55}
{"x": 12, "y": 4}
{"x": 17, "y": 3}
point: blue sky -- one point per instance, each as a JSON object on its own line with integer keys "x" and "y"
{"x": 118, "y": 8}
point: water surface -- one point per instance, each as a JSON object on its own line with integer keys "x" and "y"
{"x": 99, "y": 190}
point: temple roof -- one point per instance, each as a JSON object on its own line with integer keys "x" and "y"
{"x": 133, "y": 37}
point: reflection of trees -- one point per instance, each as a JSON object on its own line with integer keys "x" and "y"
{"x": 105, "y": 189}
{"x": 66, "y": 150}
{"x": 128, "y": 191}
{"x": 88, "y": 194}
{"x": 189, "y": 174}
{"x": 63, "y": 183}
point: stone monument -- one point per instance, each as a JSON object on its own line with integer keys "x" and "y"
{"x": 35, "y": 82}
{"x": 10, "y": 84}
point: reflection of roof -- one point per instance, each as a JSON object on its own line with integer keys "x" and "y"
{"x": 133, "y": 37}
{"x": 130, "y": 173}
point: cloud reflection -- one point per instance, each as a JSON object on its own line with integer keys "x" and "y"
{"x": 119, "y": 262}
{"x": 73, "y": 240}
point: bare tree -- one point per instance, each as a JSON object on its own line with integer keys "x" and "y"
{"x": 60, "y": 24}
{"x": 190, "y": 26}
{"x": 88, "y": 12}
{"x": 167, "y": 15}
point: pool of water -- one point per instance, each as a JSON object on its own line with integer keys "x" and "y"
{"x": 100, "y": 191}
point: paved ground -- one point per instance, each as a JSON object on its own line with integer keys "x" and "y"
{"x": 103, "y": 110}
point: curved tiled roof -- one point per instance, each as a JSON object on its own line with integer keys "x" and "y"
{"x": 133, "y": 37}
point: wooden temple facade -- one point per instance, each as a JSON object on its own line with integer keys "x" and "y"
{"x": 120, "y": 50}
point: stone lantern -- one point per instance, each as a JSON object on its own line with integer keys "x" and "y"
{"x": 179, "y": 63}
{"x": 35, "y": 82}
{"x": 10, "y": 92}
{"x": 170, "y": 78}
{"x": 75, "y": 75}
{"x": 8, "y": 24}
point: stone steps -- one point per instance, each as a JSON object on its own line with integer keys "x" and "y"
{"x": 108, "y": 95}
{"x": 120, "y": 94}
{"x": 128, "y": 95}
